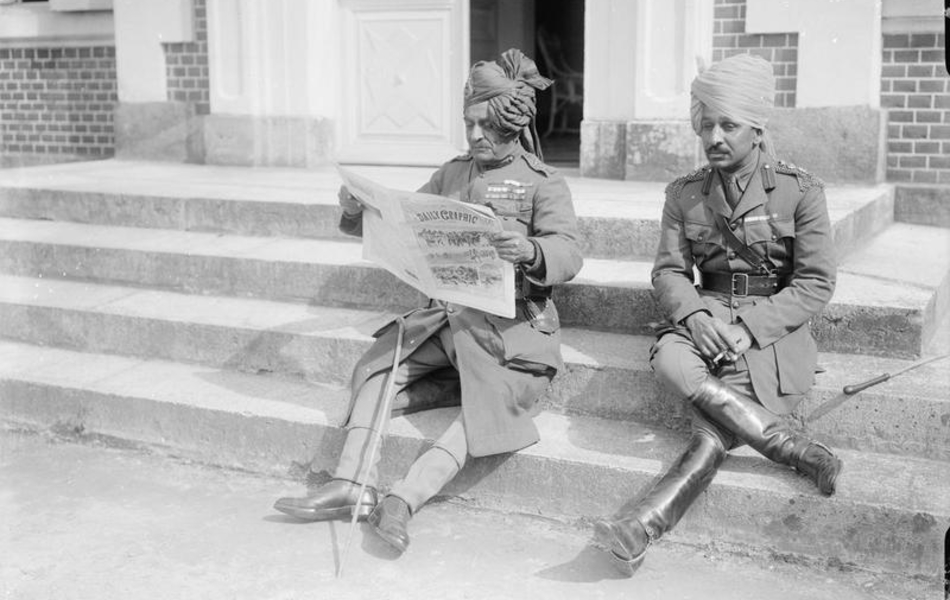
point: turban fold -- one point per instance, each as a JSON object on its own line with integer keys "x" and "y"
{"x": 509, "y": 86}
{"x": 742, "y": 87}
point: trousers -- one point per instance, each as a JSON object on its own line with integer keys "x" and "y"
{"x": 438, "y": 465}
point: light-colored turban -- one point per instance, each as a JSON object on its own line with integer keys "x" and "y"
{"x": 509, "y": 85}
{"x": 742, "y": 87}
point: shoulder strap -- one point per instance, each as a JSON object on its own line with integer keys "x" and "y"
{"x": 748, "y": 254}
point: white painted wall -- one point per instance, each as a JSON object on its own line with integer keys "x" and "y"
{"x": 913, "y": 16}
{"x": 35, "y": 22}
{"x": 641, "y": 55}
{"x": 274, "y": 57}
{"x": 141, "y": 26}
{"x": 839, "y": 47}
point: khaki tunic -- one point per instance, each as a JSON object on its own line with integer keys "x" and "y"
{"x": 782, "y": 215}
{"x": 504, "y": 364}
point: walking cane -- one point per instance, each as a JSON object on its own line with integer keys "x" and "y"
{"x": 377, "y": 439}
{"x": 850, "y": 390}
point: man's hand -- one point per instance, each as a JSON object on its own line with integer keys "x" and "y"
{"x": 351, "y": 206}
{"x": 717, "y": 340}
{"x": 513, "y": 247}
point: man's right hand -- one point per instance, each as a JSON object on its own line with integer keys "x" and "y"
{"x": 351, "y": 206}
{"x": 713, "y": 336}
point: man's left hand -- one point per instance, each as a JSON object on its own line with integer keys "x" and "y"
{"x": 513, "y": 247}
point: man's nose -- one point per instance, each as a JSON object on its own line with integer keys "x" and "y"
{"x": 715, "y": 136}
{"x": 477, "y": 132}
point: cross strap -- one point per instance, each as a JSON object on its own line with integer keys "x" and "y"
{"x": 748, "y": 254}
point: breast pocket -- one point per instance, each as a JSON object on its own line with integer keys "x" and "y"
{"x": 702, "y": 236}
{"x": 774, "y": 237}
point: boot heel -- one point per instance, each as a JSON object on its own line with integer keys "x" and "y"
{"x": 605, "y": 538}
{"x": 362, "y": 511}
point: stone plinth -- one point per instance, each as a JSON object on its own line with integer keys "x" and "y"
{"x": 161, "y": 131}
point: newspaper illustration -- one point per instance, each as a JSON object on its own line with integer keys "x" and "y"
{"x": 435, "y": 244}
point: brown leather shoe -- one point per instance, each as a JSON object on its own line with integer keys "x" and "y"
{"x": 335, "y": 500}
{"x": 389, "y": 520}
{"x": 625, "y": 540}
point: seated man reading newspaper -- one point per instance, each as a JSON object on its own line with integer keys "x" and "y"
{"x": 492, "y": 368}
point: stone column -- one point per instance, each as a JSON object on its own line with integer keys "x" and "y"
{"x": 640, "y": 58}
{"x": 274, "y": 76}
{"x": 147, "y": 124}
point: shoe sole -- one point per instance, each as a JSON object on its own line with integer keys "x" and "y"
{"x": 606, "y": 540}
{"x": 344, "y": 513}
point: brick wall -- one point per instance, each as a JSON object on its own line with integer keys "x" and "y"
{"x": 781, "y": 49}
{"x": 57, "y": 101}
{"x": 186, "y": 65}
{"x": 915, "y": 89}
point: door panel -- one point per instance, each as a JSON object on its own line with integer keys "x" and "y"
{"x": 404, "y": 68}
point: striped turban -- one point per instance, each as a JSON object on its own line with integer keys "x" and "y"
{"x": 742, "y": 87}
{"x": 508, "y": 86}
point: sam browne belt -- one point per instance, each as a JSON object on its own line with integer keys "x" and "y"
{"x": 743, "y": 284}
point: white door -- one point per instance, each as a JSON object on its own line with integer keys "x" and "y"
{"x": 404, "y": 67}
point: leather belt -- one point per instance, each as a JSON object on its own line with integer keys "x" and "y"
{"x": 743, "y": 284}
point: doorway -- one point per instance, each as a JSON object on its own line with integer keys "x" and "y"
{"x": 552, "y": 33}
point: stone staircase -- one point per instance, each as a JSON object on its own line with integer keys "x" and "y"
{"x": 216, "y": 312}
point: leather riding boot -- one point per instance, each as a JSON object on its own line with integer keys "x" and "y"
{"x": 390, "y": 519}
{"x": 334, "y": 500}
{"x": 767, "y": 433}
{"x": 627, "y": 535}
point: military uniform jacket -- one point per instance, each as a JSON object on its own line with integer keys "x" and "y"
{"x": 782, "y": 215}
{"x": 504, "y": 364}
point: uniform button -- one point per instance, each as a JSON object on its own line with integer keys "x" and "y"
{"x": 450, "y": 310}
{"x": 774, "y": 237}
{"x": 731, "y": 255}
{"x": 735, "y": 304}
{"x": 733, "y": 226}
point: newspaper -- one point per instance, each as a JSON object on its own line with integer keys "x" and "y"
{"x": 435, "y": 244}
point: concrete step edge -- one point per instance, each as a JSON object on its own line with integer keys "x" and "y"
{"x": 608, "y": 273}
{"x": 907, "y": 415}
{"x": 582, "y": 466}
{"x": 617, "y": 219}
{"x": 596, "y": 349}
{"x": 883, "y": 317}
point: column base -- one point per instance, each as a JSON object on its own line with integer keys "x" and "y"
{"x": 267, "y": 141}
{"x": 638, "y": 150}
{"x": 160, "y": 131}
{"x": 843, "y": 144}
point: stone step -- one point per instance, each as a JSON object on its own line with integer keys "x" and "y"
{"x": 618, "y": 219}
{"x": 890, "y": 513}
{"x": 924, "y": 204}
{"x": 607, "y": 375}
{"x": 884, "y": 304}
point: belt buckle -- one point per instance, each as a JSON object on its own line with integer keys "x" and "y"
{"x": 744, "y": 278}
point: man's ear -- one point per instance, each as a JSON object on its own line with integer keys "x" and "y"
{"x": 758, "y": 135}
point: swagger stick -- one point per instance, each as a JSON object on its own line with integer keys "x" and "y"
{"x": 852, "y": 389}
{"x": 376, "y": 441}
